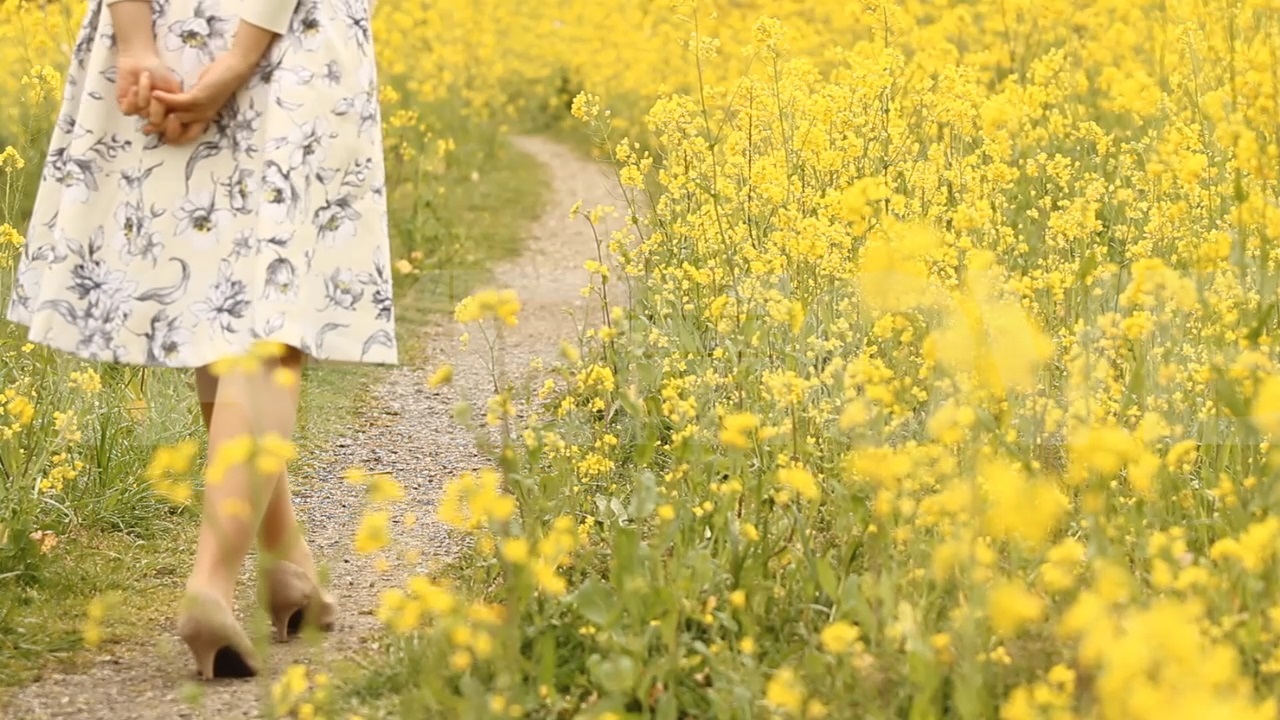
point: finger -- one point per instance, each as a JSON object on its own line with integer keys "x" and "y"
{"x": 156, "y": 113}
{"x": 127, "y": 98}
{"x": 193, "y": 131}
{"x": 184, "y": 134}
{"x": 144, "y": 90}
{"x": 173, "y": 130}
{"x": 127, "y": 95}
{"x": 188, "y": 118}
{"x": 168, "y": 82}
{"x": 176, "y": 101}
{"x": 152, "y": 128}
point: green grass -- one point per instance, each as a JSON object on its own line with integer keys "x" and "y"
{"x": 112, "y": 532}
{"x": 478, "y": 223}
{"x": 43, "y": 622}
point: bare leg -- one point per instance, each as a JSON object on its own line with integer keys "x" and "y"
{"x": 206, "y": 390}
{"x": 279, "y": 533}
{"x": 244, "y": 403}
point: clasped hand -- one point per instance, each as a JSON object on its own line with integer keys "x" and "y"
{"x": 146, "y": 88}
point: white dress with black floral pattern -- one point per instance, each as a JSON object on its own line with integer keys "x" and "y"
{"x": 272, "y": 226}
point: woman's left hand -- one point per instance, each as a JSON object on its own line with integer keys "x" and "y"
{"x": 190, "y": 113}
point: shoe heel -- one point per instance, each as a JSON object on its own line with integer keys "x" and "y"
{"x": 217, "y": 643}
{"x": 289, "y": 593}
{"x": 286, "y": 621}
{"x": 295, "y": 600}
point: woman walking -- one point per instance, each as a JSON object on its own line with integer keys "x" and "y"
{"x": 214, "y": 190}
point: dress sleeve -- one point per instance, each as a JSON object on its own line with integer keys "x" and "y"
{"x": 273, "y": 15}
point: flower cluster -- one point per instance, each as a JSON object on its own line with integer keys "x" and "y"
{"x": 950, "y": 362}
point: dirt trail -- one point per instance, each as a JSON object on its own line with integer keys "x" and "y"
{"x": 406, "y": 430}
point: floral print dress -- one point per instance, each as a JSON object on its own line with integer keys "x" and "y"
{"x": 271, "y": 226}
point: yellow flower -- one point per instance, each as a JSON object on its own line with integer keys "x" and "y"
{"x": 272, "y": 454}
{"x": 95, "y": 613}
{"x": 549, "y": 581}
{"x": 21, "y": 409}
{"x": 383, "y": 488}
{"x": 1266, "y": 407}
{"x": 735, "y": 429}
{"x": 839, "y": 637}
{"x": 86, "y": 380}
{"x": 168, "y": 465}
{"x": 585, "y": 107}
{"x": 442, "y": 376}
{"x": 355, "y": 476}
{"x": 92, "y": 633}
{"x": 460, "y": 661}
{"x": 1061, "y": 566}
{"x": 941, "y": 643}
{"x": 486, "y": 614}
{"x": 515, "y": 550}
{"x": 235, "y": 508}
{"x": 815, "y": 709}
{"x": 1010, "y": 607}
{"x": 1018, "y": 506}
{"x": 285, "y": 377}
{"x": 435, "y": 598}
{"x": 372, "y": 535}
{"x": 785, "y": 692}
{"x": 503, "y": 305}
{"x": 1102, "y": 449}
{"x": 96, "y": 610}
{"x": 894, "y": 273}
{"x": 230, "y": 454}
{"x": 800, "y": 480}
{"x": 569, "y": 352}
{"x": 10, "y": 160}
{"x": 475, "y": 500}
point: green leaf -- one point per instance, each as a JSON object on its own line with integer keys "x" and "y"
{"x": 925, "y": 681}
{"x": 616, "y": 674}
{"x": 595, "y": 601}
{"x": 1264, "y": 319}
{"x": 1087, "y": 265}
{"x": 851, "y": 596}
{"x": 644, "y": 495}
{"x": 667, "y": 708}
{"x": 827, "y": 578}
{"x": 546, "y": 654}
{"x": 969, "y": 693}
{"x": 626, "y": 543}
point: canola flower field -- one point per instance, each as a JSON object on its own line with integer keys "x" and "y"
{"x": 945, "y": 388}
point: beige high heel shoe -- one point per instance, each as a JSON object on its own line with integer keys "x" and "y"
{"x": 295, "y": 600}
{"x": 217, "y": 642}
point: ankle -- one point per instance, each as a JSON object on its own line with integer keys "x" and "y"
{"x": 213, "y": 583}
{"x": 294, "y": 551}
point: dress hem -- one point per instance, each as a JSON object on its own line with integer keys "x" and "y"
{"x": 338, "y": 358}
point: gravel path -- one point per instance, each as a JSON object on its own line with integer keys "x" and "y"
{"x": 406, "y": 430}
